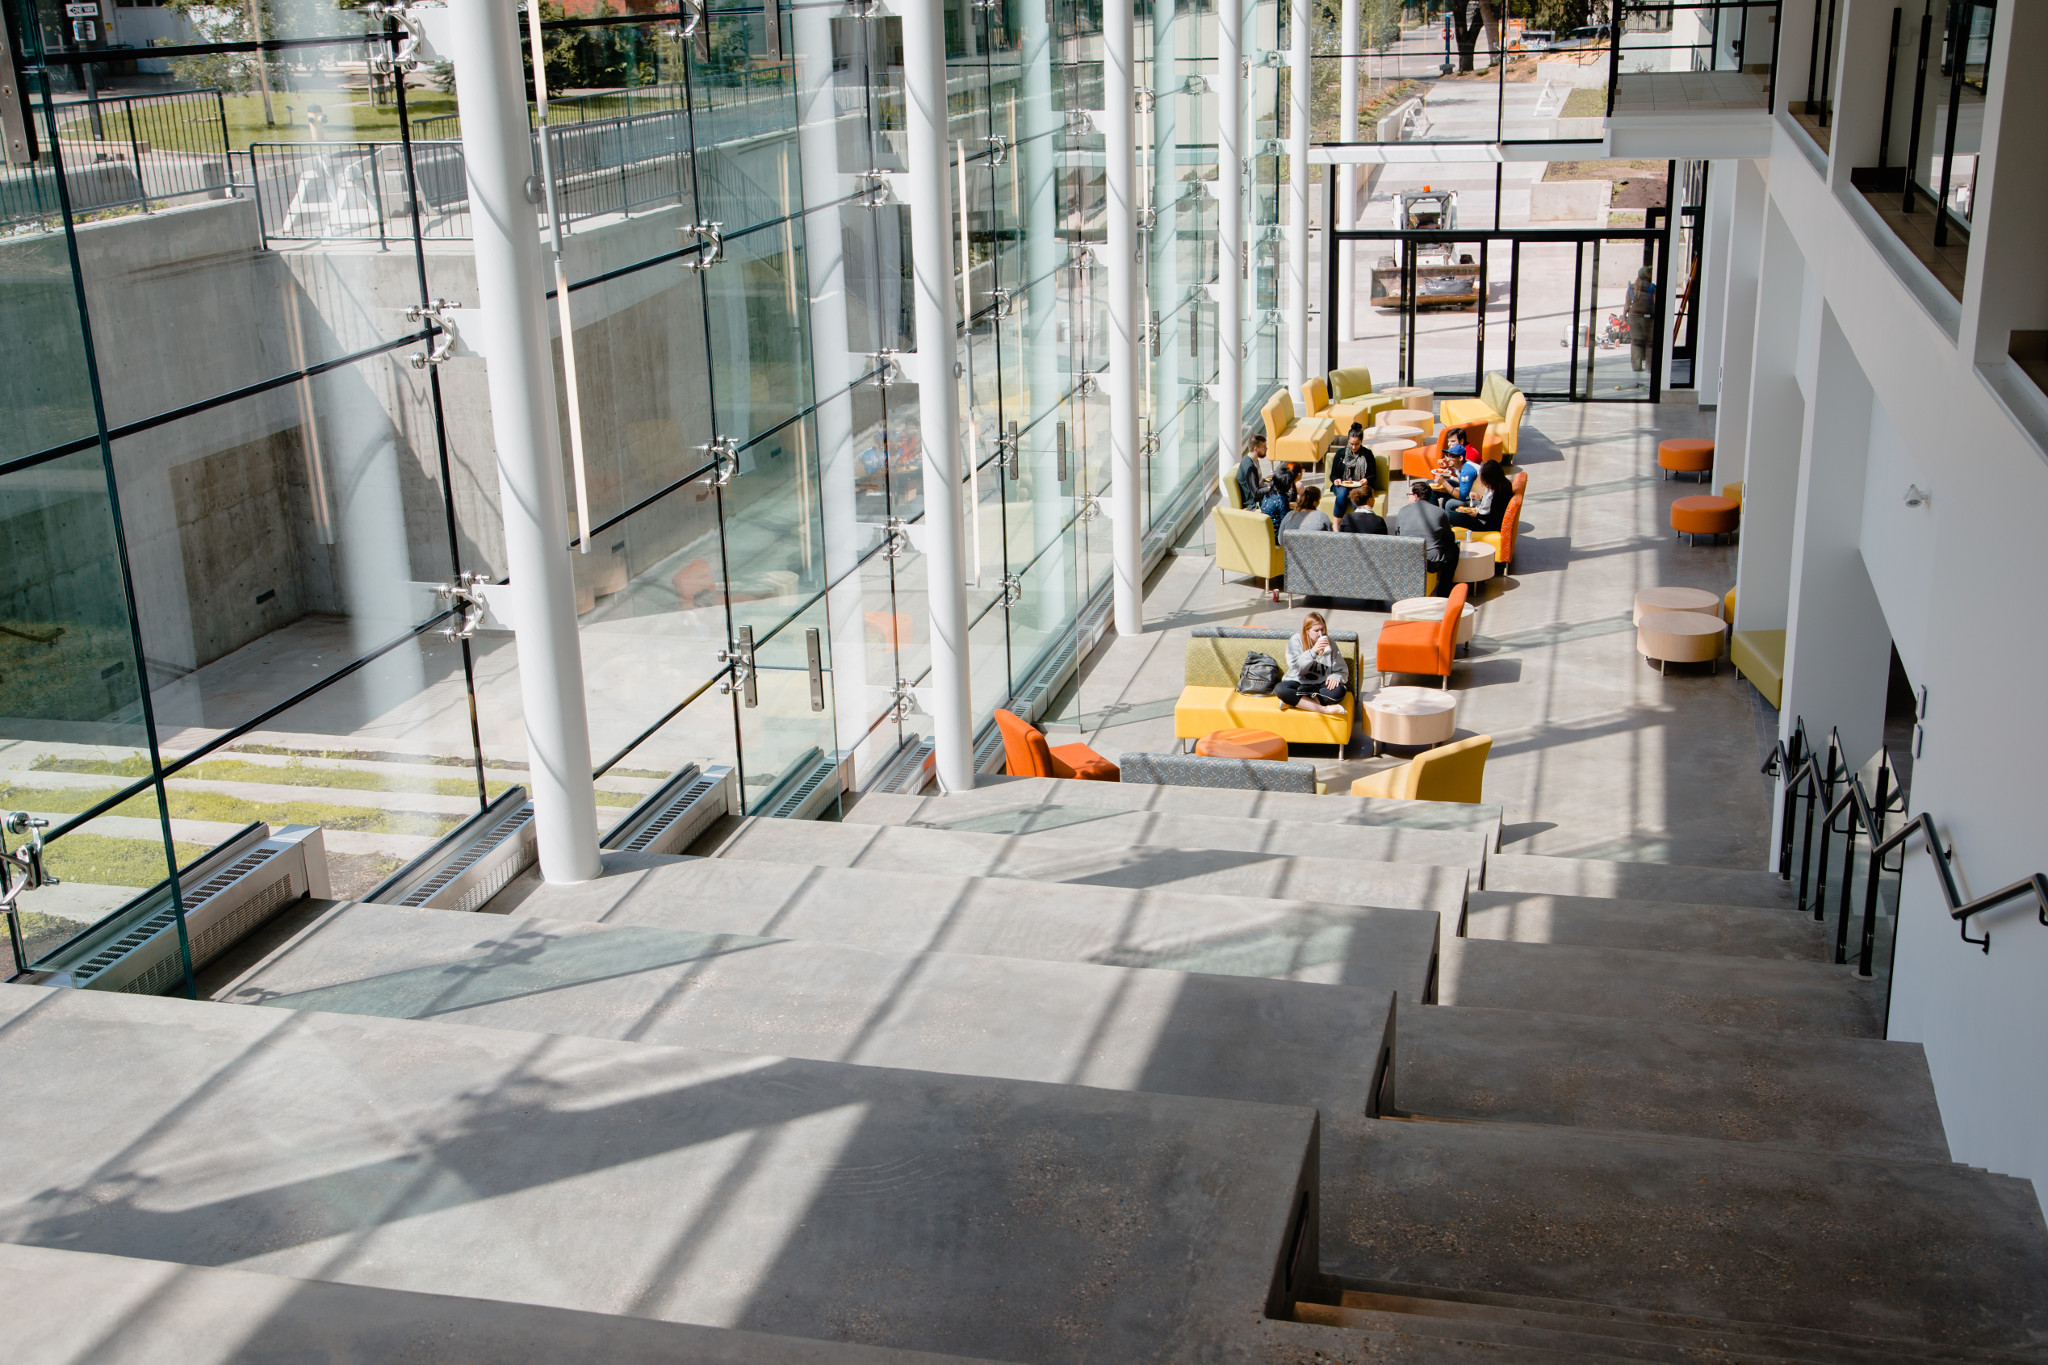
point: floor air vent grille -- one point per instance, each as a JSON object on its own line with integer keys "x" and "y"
{"x": 808, "y": 788}
{"x": 682, "y": 808}
{"x": 472, "y": 863}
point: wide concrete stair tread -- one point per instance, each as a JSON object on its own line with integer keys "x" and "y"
{"x": 1121, "y": 1028}
{"x": 120, "y": 1310}
{"x": 1517, "y": 1323}
{"x": 1664, "y": 926}
{"x": 1637, "y": 881}
{"x": 911, "y": 912}
{"x": 988, "y": 1218}
{"x": 1858, "y": 1096}
{"x": 1906, "y": 1250}
{"x": 1335, "y": 808}
{"x": 1075, "y": 857}
{"x": 1633, "y": 983}
{"x": 1072, "y": 823}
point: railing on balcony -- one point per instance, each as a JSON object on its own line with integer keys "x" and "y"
{"x": 124, "y": 152}
{"x": 1694, "y": 56}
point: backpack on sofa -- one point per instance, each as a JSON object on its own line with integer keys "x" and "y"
{"x": 1259, "y": 676}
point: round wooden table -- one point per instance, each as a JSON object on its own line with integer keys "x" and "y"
{"x": 1649, "y": 600}
{"x": 1432, "y": 609}
{"x": 1242, "y": 744}
{"x": 1423, "y": 422}
{"x": 1410, "y": 716}
{"x": 1413, "y": 396}
{"x": 1686, "y": 637}
{"x": 1475, "y": 562}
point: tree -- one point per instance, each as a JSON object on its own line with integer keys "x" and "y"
{"x": 1469, "y": 18}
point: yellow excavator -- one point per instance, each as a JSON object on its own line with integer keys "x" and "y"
{"x": 1444, "y": 276}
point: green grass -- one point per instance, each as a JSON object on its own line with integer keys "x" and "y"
{"x": 1585, "y": 101}
{"x": 233, "y": 810}
{"x": 292, "y": 774}
{"x": 350, "y": 118}
{"x": 105, "y": 860}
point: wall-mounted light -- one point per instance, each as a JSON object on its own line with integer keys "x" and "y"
{"x": 1917, "y": 496}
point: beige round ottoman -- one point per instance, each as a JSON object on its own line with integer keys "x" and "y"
{"x": 1410, "y": 716}
{"x": 1475, "y": 562}
{"x": 1413, "y": 396}
{"x": 1651, "y": 600}
{"x": 1423, "y": 422}
{"x": 1432, "y": 609}
{"x": 1684, "y": 637}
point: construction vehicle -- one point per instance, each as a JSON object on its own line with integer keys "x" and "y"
{"x": 1444, "y": 276}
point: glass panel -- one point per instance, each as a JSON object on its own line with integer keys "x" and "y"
{"x": 73, "y": 733}
{"x": 787, "y": 737}
{"x": 1546, "y": 302}
{"x": 757, "y": 324}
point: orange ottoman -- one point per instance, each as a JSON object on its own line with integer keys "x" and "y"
{"x": 1242, "y": 744}
{"x": 1705, "y": 515}
{"x": 1686, "y": 455}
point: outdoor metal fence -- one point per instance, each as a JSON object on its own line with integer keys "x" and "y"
{"x": 127, "y": 151}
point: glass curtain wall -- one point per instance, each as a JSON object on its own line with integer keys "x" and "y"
{"x": 254, "y": 441}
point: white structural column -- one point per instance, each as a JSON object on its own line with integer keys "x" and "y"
{"x": 1740, "y": 260}
{"x": 938, "y": 393}
{"x": 1230, "y": 261}
{"x": 1162, "y": 253}
{"x": 1126, "y": 367}
{"x": 512, "y": 336}
{"x": 832, "y": 365}
{"x": 1347, "y": 176}
{"x": 1299, "y": 80}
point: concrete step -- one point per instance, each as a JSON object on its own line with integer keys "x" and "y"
{"x": 1598, "y": 1331}
{"x": 1037, "y": 819}
{"x": 1638, "y": 881}
{"x": 1120, "y": 1028}
{"x": 1665, "y": 926}
{"x": 912, "y": 912}
{"x": 1336, "y": 808}
{"x": 993, "y": 1218}
{"x": 1810, "y": 998}
{"x": 1074, "y": 856}
{"x": 1908, "y": 1250}
{"x": 1862, "y": 1097}
{"x": 118, "y": 1310}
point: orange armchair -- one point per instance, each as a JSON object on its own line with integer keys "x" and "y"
{"x": 1423, "y": 646}
{"x": 1503, "y": 540}
{"x": 1026, "y": 754}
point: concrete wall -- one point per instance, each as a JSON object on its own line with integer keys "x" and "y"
{"x": 1899, "y": 398}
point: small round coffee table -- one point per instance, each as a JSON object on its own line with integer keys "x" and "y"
{"x": 1651, "y": 600}
{"x": 1416, "y": 717}
{"x": 1475, "y": 562}
{"x": 1412, "y": 396}
{"x": 1432, "y": 609}
{"x": 1242, "y": 744}
{"x": 1685, "y": 637}
{"x": 1423, "y": 422}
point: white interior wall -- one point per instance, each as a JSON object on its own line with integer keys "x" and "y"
{"x": 1775, "y": 422}
{"x": 1749, "y": 192}
{"x": 1897, "y": 541}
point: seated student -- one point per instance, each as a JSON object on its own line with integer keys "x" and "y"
{"x": 1363, "y": 521}
{"x": 1425, "y": 521}
{"x": 1451, "y": 481}
{"x": 1315, "y": 678}
{"x": 1278, "y": 499}
{"x": 1354, "y": 469}
{"x": 1248, "y": 470}
{"x": 1306, "y": 516}
{"x": 1489, "y": 509}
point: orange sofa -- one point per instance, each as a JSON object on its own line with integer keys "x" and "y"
{"x": 1423, "y": 646}
{"x": 1026, "y": 754}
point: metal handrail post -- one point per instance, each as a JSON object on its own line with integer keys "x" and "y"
{"x": 1806, "y": 844}
{"x": 1919, "y": 105}
{"x": 1959, "y": 54}
{"x": 135, "y": 150}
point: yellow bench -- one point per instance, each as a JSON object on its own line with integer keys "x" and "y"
{"x": 1296, "y": 440}
{"x": 1210, "y": 701}
{"x": 1759, "y": 655}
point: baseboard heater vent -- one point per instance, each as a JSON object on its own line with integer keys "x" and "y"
{"x": 988, "y": 751}
{"x": 808, "y": 788}
{"x": 471, "y": 863}
{"x": 907, "y": 771}
{"x": 679, "y": 810}
{"x": 227, "y": 893}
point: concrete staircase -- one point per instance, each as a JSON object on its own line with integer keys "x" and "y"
{"x": 1047, "y": 1071}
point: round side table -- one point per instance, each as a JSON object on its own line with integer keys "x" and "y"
{"x": 1417, "y": 717}
{"x": 1652, "y": 600}
{"x": 1432, "y": 609}
{"x": 1475, "y": 562}
{"x": 1242, "y": 744}
{"x": 1684, "y": 637}
{"x": 1423, "y": 422}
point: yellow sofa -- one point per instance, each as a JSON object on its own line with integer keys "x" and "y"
{"x": 1209, "y": 699}
{"x": 1298, "y": 440}
{"x": 1351, "y": 391}
{"x": 1245, "y": 544}
{"x": 1759, "y": 655}
{"x": 1454, "y": 772}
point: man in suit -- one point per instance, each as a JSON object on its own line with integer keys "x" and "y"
{"x": 1249, "y": 485}
{"x": 1429, "y": 523}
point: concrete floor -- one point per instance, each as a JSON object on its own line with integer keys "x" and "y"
{"x": 1595, "y": 754}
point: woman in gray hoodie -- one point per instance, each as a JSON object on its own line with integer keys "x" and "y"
{"x": 1315, "y": 679}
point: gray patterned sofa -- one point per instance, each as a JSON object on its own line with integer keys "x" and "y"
{"x": 1236, "y": 774}
{"x": 1339, "y": 564}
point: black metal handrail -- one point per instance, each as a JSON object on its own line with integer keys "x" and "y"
{"x": 1806, "y": 775}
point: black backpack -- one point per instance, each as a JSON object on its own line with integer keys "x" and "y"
{"x": 1259, "y": 676}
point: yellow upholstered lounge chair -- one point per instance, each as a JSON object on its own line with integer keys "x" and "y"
{"x": 1300, "y": 441}
{"x": 1245, "y": 544}
{"x": 1454, "y": 772}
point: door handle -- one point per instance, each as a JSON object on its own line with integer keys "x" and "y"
{"x": 814, "y": 653}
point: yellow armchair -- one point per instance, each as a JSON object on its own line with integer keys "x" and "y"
{"x": 1454, "y": 772}
{"x": 1245, "y": 544}
{"x": 1506, "y": 434}
{"x": 1299, "y": 441}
